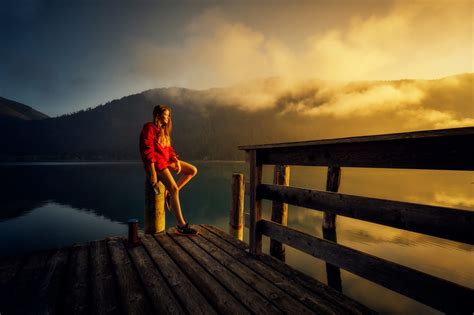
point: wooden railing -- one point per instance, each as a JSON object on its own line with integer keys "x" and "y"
{"x": 447, "y": 149}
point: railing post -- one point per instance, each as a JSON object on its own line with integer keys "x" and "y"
{"x": 236, "y": 226}
{"x": 155, "y": 219}
{"x": 281, "y": 176}
{"x": 255, "y": 234}
{"x": 329, "y": 227}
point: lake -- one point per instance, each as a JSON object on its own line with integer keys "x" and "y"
{"x": 49, "y": 205}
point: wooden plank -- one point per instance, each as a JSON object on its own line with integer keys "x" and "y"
{"x": 9, "y": 266}
{"x": 239, "y": 289}
{"x": 308, "y": 298}
{"x": 191, "y": 298}
{"x": 217, "y": 295}
{"x": 434, "y": 149}
{"x": 104, "y": 287}
{"x": 51, "y": 291}
{"x": 236, "y": 227}
{"x": 438, "y": 293}
{"x": 133, "y": 296}
{"x": 21, "y": 297}
{"x": 255, "y": 204}
{"x": 155, "y": 217}
{"x": 160, "y": 294}
{"x": 277, "y": 296}
{"x": 424, "y": 134}
{"x": 332, "y": 184}
{"x": 281, "y": 176}
{"x": 329, "y": 227}
{"x": 77, "y": 285}
{"x": 449, "y": 223}
{"x": 335, "y": 298}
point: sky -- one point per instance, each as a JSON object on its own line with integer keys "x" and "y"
{"x": 63, "y": 56}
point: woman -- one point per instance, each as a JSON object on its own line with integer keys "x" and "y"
{"x": 159, "y": 159}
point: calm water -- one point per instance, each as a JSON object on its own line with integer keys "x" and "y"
{"x": 49, "y": 205}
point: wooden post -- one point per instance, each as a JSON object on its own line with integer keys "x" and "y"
{"x": 255, "y": 233}
{"x": 133, "y": 232}
{"x": 155, "y": 220}
{"x": 281, "y": 176}
{"x": 236, "y": 226}
{"x": 329, "y": 227}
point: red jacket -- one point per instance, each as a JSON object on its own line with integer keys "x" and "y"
{"x": 151, "y": 151}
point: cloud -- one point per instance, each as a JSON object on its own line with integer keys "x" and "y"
{"x": 215, "y": 52}
{"x": 375, "y": 99}
{"x": 406, "y": 42}
{"x": 435, "y": 118}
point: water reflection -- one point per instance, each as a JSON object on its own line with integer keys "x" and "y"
{"x": 52, "y": 226}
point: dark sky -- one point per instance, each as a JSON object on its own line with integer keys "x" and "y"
{"x": 63, "y": 56}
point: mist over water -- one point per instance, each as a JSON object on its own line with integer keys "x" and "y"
{"x": 50, "y": 205}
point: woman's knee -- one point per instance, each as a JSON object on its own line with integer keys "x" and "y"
{"x": 173, "y": 188}
{"x": 193, "y": 170}
{"x": 190, "y": 169}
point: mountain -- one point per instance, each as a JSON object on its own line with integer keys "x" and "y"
{"x": 14, "y": 111}
{"x": 211, "y": 124}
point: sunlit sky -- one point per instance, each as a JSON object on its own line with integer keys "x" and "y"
{"x": 63, "y": 56}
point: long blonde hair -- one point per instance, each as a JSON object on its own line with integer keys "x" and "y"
{"x": 164, "y": 137}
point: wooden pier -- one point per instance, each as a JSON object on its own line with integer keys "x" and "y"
{"x": 211, "y": 273}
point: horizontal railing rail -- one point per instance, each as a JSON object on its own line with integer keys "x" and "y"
{"x": 448, "y": 223}
{"x": 447, "y": 149}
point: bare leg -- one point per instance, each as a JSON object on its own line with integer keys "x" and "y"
{"x": 189, "y": 171}
{"x": 165, "y": 177}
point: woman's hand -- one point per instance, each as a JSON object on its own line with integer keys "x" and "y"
{"x": 153, "y": 178}
{"x": 176, "y": 166}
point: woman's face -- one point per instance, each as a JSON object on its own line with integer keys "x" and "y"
{"x": 165, "y": 117}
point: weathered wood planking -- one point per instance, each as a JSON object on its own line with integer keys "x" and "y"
{"x": 218, "y": 296}
{"x": 255, "y": 204}
{"x": 281, "y": 176}
{"x": 318, "y": 305}
{"x": 133, "y": 296}
{"x": 160, "y": 294}
{"x": 282, "y": 300}
{"x": 446, "y": 149}
{"x": 333, "y": 273}
{"x": 424, "y": 288}
{"x": 26, "y": 284}
{"x": 49, "y": 294}
{"x": 166, "y": 273}
{"x": 316, "y": 294}
{"x": 189, "y": 296}
{"x": 449, "y": 223}
{"x": 231, "y": 281}
{"x": 77, "y": 289}
{"x": 103, "y": 282}
{"x": 236, "y": 226}
{"x": 9, "y": 267}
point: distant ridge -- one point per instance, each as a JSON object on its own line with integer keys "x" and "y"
{"x": 11, "y": 110}
{"x": 211, "y": 124}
